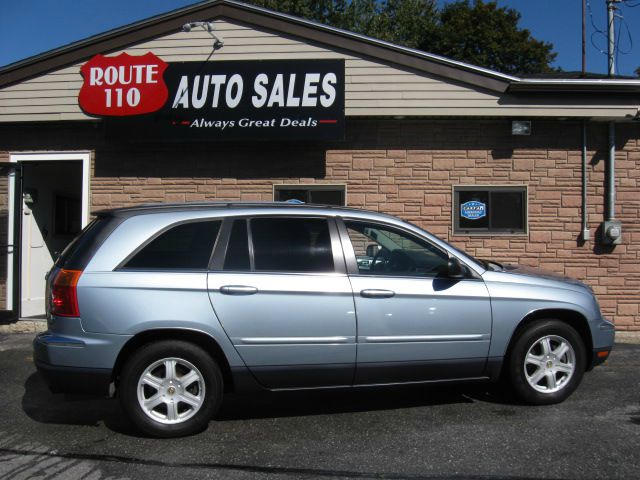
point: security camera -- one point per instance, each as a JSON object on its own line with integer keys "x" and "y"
{"x": 207, "y": 27}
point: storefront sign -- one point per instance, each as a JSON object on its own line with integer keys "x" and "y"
{"x": 123, "y": 85}
{"x": 217, "y": 100}
{"x": 473, "y": 210}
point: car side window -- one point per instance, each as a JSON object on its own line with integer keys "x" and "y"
{"x": 186, "y": 246}
{"x": 292, "y": 245}
{"x": 382, "y": 250}
{"x": 237, "y": 255}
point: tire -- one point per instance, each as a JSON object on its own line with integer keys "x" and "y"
{"x": 182, "y": 382}
{"x": 546, "y": 363}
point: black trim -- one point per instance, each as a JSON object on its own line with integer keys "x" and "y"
{"x": 493, "y": 369}
{"x": 244, "y": 381}
{"x": 221, "y": 245}
{"x": 596, "y": 360}
{"x": 75, "y": 380}
{"x": 304, "y": 376}
{"x": 419, "y": 371}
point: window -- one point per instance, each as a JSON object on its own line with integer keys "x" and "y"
{"x": 185, "y": 246}
{"x": 320, "y": 194}
{"x": 291, "y": 245}
{"x": 500, "y": 210}
{"x": 384, "y": 251}
{"x": 237, "y": 256}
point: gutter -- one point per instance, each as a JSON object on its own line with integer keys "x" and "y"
{"x": 610, "y": 85}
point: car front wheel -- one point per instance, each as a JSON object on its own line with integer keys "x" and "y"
{"x": 547, "y": 362}
{"x": 170, "y": 388}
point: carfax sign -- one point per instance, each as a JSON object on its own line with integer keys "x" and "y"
{"x": 232, "y": 100}
{"x": 473, "y": 210}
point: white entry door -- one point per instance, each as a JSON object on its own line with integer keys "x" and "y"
{"x": 37, "y": 260}
{"x": 54, "y": 208}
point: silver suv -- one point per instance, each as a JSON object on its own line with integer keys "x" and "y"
{"x": 170, "y": 306}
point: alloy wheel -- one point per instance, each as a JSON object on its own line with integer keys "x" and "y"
{"x": 171, "y": 390}
{"x": 549, "y": 364}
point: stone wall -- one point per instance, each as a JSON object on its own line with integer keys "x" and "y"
{"x": 408, "y": 168}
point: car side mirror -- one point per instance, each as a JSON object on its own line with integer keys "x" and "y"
{"x": 455, "y": 269}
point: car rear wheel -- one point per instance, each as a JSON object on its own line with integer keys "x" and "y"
{"x": 170, "y": 388}
{"x": 547, "y": 362}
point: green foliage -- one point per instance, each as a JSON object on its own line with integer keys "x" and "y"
{"x": 638, "y": 71}
{"x": 478, "y": 32}
{"x": 487, "y": 35}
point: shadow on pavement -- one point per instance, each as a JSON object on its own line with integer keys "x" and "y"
{"x": 43, "y": 406}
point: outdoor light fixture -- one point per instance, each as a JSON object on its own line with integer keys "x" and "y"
{"x": 207, "y": 27}
{"x": 521, "y": 127}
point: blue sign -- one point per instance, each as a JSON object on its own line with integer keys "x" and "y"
{"x": 473, "y": 210}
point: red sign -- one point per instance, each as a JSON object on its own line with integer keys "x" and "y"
{"x": 123, "y": 85}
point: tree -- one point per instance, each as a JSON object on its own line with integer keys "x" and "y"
{"x": 404, "y": 22}
{"x": 487, "y": 35}
{"x": 480, "y": 33}
{"x": 638, "y": 71}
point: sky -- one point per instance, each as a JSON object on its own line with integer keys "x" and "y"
{"x": 30, "y": 27}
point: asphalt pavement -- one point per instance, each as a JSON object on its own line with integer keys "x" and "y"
{"x": 455, "y": 432}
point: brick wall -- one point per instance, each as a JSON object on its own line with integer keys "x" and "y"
{"x": 407, "y": 168}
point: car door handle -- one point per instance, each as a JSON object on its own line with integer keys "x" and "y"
{"x": 374, "y": 293}
{"x": 238, "y": 290}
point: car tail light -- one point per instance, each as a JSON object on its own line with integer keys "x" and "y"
{"x": 64, "y": 296}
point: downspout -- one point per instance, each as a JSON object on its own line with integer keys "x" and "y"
{"x": 611, "y": 174}
{"x": 585, "y": 221}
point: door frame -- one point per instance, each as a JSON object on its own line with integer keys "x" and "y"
{"x": 19, "y": 157}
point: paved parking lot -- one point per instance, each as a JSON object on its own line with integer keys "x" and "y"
{"x": 462, "y": 433}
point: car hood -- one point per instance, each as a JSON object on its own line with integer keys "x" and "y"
{"x": 541, "y": 273}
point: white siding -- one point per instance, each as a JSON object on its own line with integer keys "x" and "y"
{"x": 372, "y": 88}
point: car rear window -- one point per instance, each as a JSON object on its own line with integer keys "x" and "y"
{"x": 77, "y": 254}
{"x": 186, "y": 246}
{"x": 292, "y": 245}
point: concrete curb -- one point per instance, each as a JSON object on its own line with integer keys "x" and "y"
{"x": 35, "y": 326}
{"x": 627, "y": 337}
{"x": 24, "y": 326}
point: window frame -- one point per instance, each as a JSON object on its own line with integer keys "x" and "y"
{"x": 220, "y": 252}
{"x": 455, "y": 210}
{"x": 342, "y": 187}
{"x": 122, "y": 266}
{"x": 350, "y": 254}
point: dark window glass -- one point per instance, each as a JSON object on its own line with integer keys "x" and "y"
{"x": 291, "y": 245}
{"x": 185, "y": 246}
{"x": 325, "y": 196}
{"x": 237, "y": 256}
{"x": 384, "y": 251}
{"x": 507, "y": 209}
{"x": 77, "y": 254}
{"x": 490, "y": 209}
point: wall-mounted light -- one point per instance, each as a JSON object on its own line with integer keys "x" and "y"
{"x": 521, "y": 127}
{"x": 207, "y": 27}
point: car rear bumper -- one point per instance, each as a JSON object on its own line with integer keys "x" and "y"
{"x": 74, "y": 379}
{"x": 76, "y": 361}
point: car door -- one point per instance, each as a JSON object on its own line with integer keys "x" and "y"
{"x": 281, "y": 291}
{"x": 414, "y": 323}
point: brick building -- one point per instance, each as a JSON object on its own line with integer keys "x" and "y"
{"x": 419, "y": 136}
